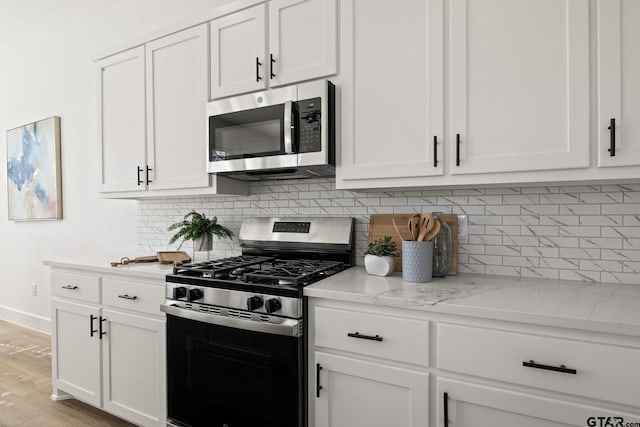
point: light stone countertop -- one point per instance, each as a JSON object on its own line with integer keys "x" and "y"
{"x": 102, "y": 265}
{"x": 599, "y": 307}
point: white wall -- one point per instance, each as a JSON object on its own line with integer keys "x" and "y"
{"x": 46, "y": 57}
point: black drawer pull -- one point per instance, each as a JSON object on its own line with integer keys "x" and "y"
{"x": 258, "y": 64}
{"x": 457, "y": 149}
{"x": 125, "y": 296}
{"x": 446, "y": 409}
{"x": 147, "y": 175}
{"x": 435, "y": 151}
{"x": 318, "y": 386}
{"x": 561, "y": 368}
{"x": 364, "y": 337}
{"x": 139, "y": 171}
{"x": 71, "y": 287}
{"x": 273, "y": 61}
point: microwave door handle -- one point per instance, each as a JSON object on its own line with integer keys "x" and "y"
{"x": 288, "y": 128}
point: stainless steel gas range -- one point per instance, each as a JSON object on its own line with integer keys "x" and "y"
{"x": 236, "y": 341}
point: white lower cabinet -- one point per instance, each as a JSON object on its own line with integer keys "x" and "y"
{"x": 110, "y": 349}
{"x": 353, "y": 392}
{"x": 465, "y": 404}
{"x": 76, "y": 350}
{"x": 134, "y": 360}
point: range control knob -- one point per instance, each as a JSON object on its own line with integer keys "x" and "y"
{"x": 254, "y": 303}
{"x": 272, "y": 305}
{"x": 179, "y": 292}
{"x": 194, "y": 294}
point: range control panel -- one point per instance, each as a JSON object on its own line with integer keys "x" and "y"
{"x": 291, "y": 227}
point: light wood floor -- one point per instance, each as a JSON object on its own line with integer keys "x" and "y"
{"x": 25, "y": 385}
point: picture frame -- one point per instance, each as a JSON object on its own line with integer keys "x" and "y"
{"x": 34, "y": 182}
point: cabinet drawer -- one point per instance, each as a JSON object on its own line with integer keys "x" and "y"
{"x": 387, "y": 337}
{"x": 602, "y": 371}
{"x": 75, "y": 286}
{"x": 132, "y": 295}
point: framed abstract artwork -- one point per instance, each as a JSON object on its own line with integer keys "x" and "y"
{"x": 34, "y": 186}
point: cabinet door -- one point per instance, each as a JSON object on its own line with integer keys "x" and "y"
{"x": 302, "y": 40}
{"x": 473, "y": 405}
{"x": 392, "y": 89}
{"x": 75, "y": 350}
{"x": 238, "y": 51}
{"x": 134, "y": 368}
{"x": 618, "y": 83}
{"x": 519, "y": 85}
{"x": 359, "y": 393}
{"x": 177, "y": 92}
{"x": 121, "y": 121}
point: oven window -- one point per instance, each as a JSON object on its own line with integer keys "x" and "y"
{"x": 250, "y": 133}
{"x": 221, "y": 376}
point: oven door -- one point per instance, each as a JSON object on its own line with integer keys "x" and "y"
{"x": 226, "y": 376}
{"x": 252, "y": 132}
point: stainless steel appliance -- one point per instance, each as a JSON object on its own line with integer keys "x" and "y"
{"x": 281, "y": 133}
{"x": 236, "y": 338}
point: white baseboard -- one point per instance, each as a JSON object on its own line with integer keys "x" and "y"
{"x": 28, "y": 320}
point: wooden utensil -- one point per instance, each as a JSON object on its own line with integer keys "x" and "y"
{"x": 434, "y": 231}
{"x": 426, "y": 225}
{"x": 395, "y": 226}
{"x": 414, "y": 227}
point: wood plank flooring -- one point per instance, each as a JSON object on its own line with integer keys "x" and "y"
{"x": 25, "y": 386}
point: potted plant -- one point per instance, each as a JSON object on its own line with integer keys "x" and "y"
{"x": 380, "y": 257}
{"x": 197, "y": 227}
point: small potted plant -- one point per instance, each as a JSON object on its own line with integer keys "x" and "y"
{"x": 197, "y": 227}
{"x": 380, "y": 257}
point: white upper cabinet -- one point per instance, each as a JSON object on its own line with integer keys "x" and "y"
{"x": 152, "y": 120}
{"x": 618, "y": 83}
{"x": 177, "y": 92}
{"x": 392, "y": 96}
{"x": 302, "y": 40}
{"x": 302, "y": 45}
{"x": 238, "y": 51}
{"x": 519, "y": 85}
{"x": 121, "y": 120}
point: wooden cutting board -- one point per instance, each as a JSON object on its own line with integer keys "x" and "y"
{"x": 175, "y": 258}
{"x": 381, "y": 225}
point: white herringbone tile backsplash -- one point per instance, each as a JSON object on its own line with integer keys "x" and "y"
{"x": 588, "y": 233}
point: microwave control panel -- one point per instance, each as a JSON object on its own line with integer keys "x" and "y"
{"x": 309, "y": 136}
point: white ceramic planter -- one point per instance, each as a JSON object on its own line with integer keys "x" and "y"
{"x": 204, "y": 243}
{"x": 379, "y": 265}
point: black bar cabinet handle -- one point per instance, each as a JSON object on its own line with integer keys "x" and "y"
{"x": 71, "y": 287}
{"x": 457, "y": 149}
{"x": 364, "y": 337}
{"x": 612, "y": 137}
{"x": 91, "y": 319}
{"x": 561, "y": 368}
{"x": 102, "y": 319}
{"x": 139, "y": 172}
{"x": 446, "y": 409}
{"x": 318, "y": 386}
{"x": 125, "y": 296}
{"x": 271, "y": 65}
{"x": 435, "y": 151}
{"x": 258, "y": 64}
{"x": 147, "y": 175}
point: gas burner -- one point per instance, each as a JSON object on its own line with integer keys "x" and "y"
{"x": 294, "y": 273}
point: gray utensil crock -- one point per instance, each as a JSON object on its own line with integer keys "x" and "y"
{"x": 417, "y": 261}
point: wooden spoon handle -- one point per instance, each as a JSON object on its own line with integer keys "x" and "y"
{"x": 395, "y": 226}
{"x": 434, "y": 231}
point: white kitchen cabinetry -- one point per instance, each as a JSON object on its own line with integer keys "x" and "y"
{"x": 367, "y": 369}
{"x": 392, "y": 90}
{"x": 519, "y": 85}
{"x": 109, "y": 345}
{"x": 121, "y": 120}
{"x": 360, "y": 393}
{"x": 252, "y": 49}
{"x": 152, "y": 119}
{"x": 470, "y": 405}
{"x": 618, "y": 83}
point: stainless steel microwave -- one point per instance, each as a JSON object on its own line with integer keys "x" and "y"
{"x": 281, "y": 133}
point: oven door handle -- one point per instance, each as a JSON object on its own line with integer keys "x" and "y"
{"x": 288, "y": 327}
{"x": 288, "y": 127}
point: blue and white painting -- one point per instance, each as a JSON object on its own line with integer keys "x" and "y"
{"x": 33, "y": 171}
